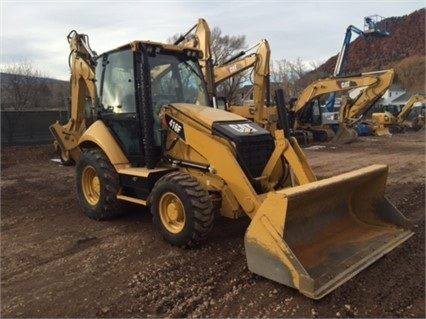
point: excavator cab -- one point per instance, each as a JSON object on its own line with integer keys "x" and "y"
{"x": 311, "y": 113}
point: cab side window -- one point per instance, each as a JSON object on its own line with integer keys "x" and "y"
{"x": 118, "y": 92}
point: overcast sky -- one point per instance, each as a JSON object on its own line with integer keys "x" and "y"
{"x": 35, "y": 31}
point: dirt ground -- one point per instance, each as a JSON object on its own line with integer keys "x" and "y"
{"x": 55, "y": 262}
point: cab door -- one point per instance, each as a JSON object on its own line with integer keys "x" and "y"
{"x": 117, "y": 102}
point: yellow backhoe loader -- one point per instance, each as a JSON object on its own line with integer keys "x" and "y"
{"x": 386, "y": 123}
{"x": 157, "y": 142}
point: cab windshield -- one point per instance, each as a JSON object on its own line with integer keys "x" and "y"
{"x": 176, "y": 79}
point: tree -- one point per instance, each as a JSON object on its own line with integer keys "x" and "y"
{"x": 289, "y": 74}
{"x": 223, "y": 48}
{"x": 22, "y": 88}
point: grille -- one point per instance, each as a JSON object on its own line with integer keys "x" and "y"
{"x": 254, "y": 154}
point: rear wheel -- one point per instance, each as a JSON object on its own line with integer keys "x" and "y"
{"x": 98, "y": 186}
{"x": 181, "y": 209}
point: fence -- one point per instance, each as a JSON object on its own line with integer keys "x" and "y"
{"x": 29, "y": 127}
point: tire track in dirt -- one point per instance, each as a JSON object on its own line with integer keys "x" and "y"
{"x": 129, "y": 271}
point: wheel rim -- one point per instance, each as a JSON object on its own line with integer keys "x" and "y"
{"x": 172, "y": 212}
{"x": 91, "y": 185}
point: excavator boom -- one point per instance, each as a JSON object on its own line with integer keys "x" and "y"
{"x": 82, "y": 65}
{"x": 331, "y": 84}
{"x": 259, "y": 61}
{"x": 307, "y": 119}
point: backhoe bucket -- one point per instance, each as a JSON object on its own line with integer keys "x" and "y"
{"x": 344, "y": 135}
{"x": 317, "y": 236}
{"x": 382, "y": 131}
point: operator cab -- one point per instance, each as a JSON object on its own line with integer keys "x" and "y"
{"x": 134, "y": 82}
{"x": 311, "y": 114}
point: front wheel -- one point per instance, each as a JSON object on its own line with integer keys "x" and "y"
{"x": 181, "y": 209}
{"x": 98, "y": 185}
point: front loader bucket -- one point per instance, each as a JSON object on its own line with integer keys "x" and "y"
{"x": 344, "y": 135}
{"x": 316, "y": 236}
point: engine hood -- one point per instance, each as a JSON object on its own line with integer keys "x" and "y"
{"x": 206, "y": 115}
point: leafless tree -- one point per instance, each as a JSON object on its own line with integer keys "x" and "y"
{"x": 288, "y": 73}
{"x": 22, "y": 88}
{"x": 315, "y": 64}
{"x": 225, "y": 47}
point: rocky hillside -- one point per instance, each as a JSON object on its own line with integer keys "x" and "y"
{"x": 403, "y": 50}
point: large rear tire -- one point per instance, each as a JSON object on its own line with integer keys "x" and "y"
{"x": 98, "y": 186}
{"x": 181, "y": 209}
